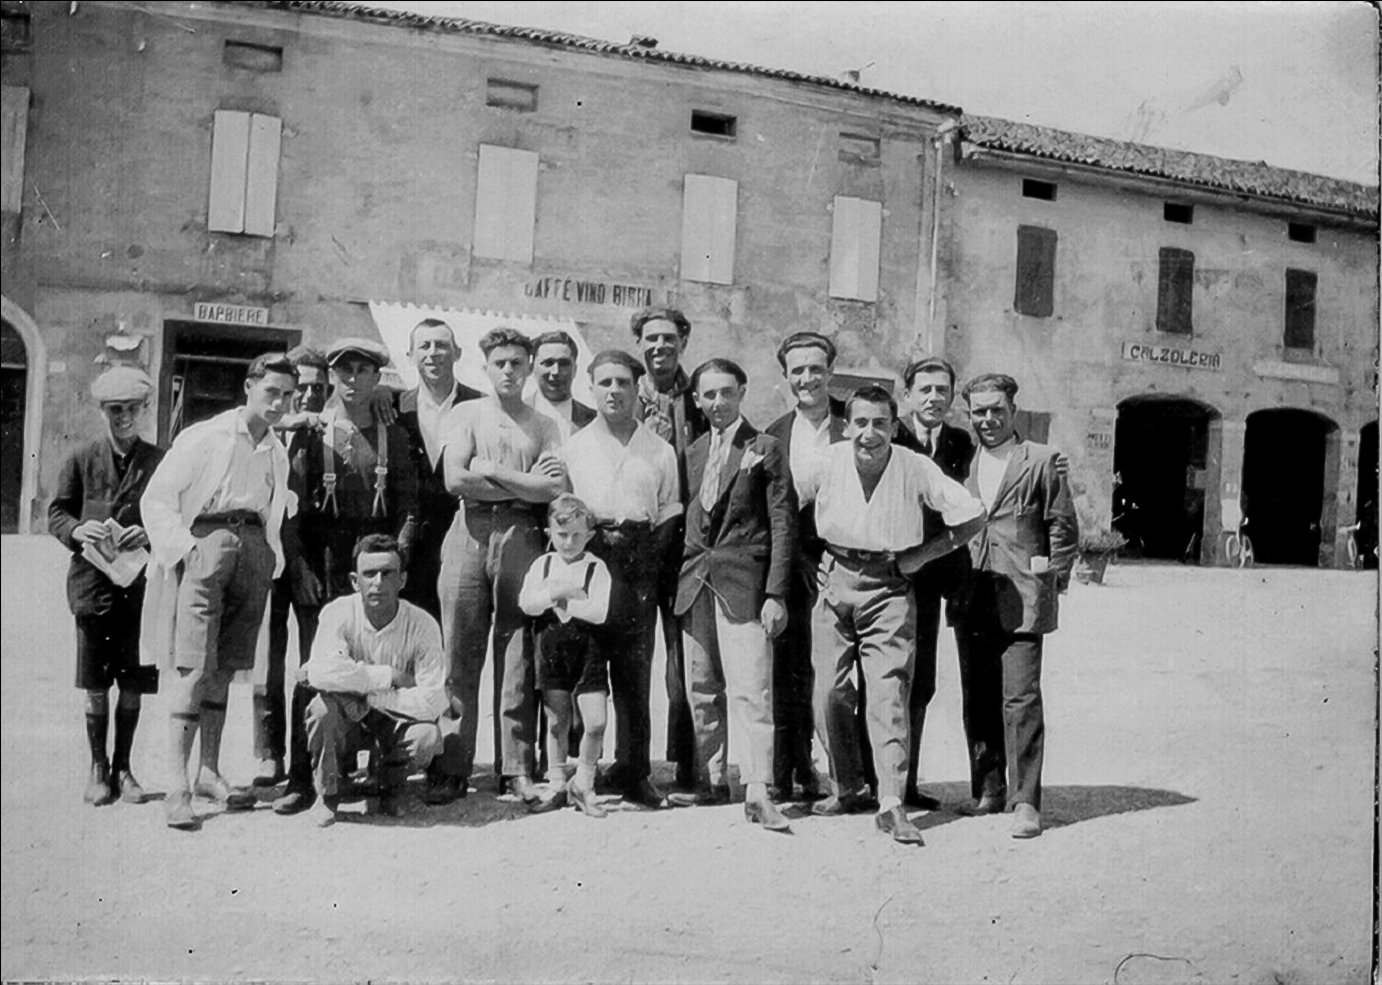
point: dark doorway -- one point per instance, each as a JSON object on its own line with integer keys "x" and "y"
{"x": 1366, "y": 537}
{"x": 1160, "y": 459}
{"x": 204, "y": 369}
{"x": 14, "y": 381}
{"x": 1283, "y": 484}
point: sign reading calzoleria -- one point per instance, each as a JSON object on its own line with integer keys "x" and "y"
{"x": 1171, "y": 356}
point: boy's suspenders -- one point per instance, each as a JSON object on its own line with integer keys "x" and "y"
{"x": 381, "y": 469}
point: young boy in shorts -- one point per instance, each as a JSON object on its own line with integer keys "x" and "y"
{"x": 566, "y": 592}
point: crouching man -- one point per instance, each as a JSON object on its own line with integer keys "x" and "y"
{"x": 380, "y": 675}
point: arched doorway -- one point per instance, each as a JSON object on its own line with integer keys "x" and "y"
{"x": 1284, "y": 458}
{"x": 14, "y": 379}
{"x": 1367, "y": 495}
{"x": 24, "y": 418}
{"x": 1161, "y": 464}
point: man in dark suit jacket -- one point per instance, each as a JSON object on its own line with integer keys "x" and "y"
{"x": 1022, "y": 561}
{"x": 740, "y": 539}
{"x": 554, "y": 368}
{"x": 433, "y": 350}
{"x": 930, "y": 387}
{"x": 102, "y": 481}
{"x": 817, "y": 421}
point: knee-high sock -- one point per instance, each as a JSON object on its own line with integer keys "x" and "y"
{"x": 97, "y": 724}
{"x": 213, "y": 723}
{"x": 126, "y": 721}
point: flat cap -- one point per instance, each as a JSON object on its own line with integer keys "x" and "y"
{"x": 368, "y": 349}
{"x": 121, "y": 383}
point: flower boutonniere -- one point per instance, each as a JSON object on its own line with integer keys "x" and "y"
{"x": 750, "y": 459}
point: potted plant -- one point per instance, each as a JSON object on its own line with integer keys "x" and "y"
{"x": 1097, "y": 549}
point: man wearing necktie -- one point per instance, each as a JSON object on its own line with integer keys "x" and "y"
{"x": 737, "y": 563}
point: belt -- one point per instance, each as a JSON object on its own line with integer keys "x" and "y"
{"x": 491, "y": 507}
{"x": 624, "y": 526}
{"x": 860, "y": 556}
{"x": 230, "y": 518}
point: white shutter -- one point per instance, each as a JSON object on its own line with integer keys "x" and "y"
{"x": 854, "y": 246}
{"x": 505, "y": 204}
{"x": 230, "y": 148}
{"x": 261, "y": 174}
{"x": 709, "y": 209}
{"x": 14, "y": 134}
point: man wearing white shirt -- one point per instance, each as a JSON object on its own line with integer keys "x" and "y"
{"x": 213, "y": 512}
{"x": 554, "y": 367}
{"x": 379, "y": 671}
{"x": 868, "y": 497}
{"x": 628, "y": 476}
{"x": 432, "y": 348}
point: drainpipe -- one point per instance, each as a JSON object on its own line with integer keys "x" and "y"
{"x": 942, "y": 138}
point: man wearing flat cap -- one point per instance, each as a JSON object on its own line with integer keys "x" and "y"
{"x": 354, "y": 477}
{"x": 96, "y": 516}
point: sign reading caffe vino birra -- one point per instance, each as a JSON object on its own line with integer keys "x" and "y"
{"x": 577, "y": 291}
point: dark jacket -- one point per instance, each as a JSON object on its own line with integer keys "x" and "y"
{"x": 435, "y": 506}
{"x": 742, "y": 550}
{"x": 1032, "y": 516}
{"x": 581, "y": 415}
{"x": 947, "y": 575}
{"x": 809, "y": 545}
{"x": 89, "y": 488}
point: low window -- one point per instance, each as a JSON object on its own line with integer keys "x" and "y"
{"x": 1034, "y": 425}
{"x": 252, "y": 57}
{"x": 1300, "y": 309}
{"x": 1176, "y": 212}
{"x": 1301, "y": 232}
{"x": 506, "y": 94}
{"x": 860, "y": 148}
{"x": 1036, "y": 271}
{"x": 15, "y": 28}
{"x": 1043, "y": 190}
{"x": 1175, "y": 291}
{"x": 714, "y": 124}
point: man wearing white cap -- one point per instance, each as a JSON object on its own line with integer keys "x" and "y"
{"x": 96, "y": 512}
{"x": 355, "y": 477}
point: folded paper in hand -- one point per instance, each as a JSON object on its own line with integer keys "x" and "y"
{"x": 121, "y": 567}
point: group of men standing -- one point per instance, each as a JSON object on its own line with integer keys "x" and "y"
{"x": 799, "y": 573}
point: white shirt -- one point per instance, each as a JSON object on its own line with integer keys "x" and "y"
{"x": 638, "y": 481}
{"x": 551, "y": 571}
{"x": 929, "y": 437}
{"x": 891, "y": 520}
{"x": 349, "y": 655}
{"x": 429, "y": 417}
{"x": 561, "y": 412}
{"x": 808, "y": 443}
{"x": 990, "y": 466}
{"x": 249, "y": 484}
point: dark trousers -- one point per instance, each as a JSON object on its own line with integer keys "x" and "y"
{"x": 1000, "y": 675}
{"x": 929, "y": 604}
{"x": 793, "y": 720}
{"x": 681, "y": 729}
{"x": 270, "y": 712}
{"x": 424, "y": 567}
{"x": 339, "y": 725}
{"x": 628, "y": 637}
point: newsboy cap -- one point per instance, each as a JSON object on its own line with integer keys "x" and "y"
{"x": 367, "y": 349}
{"x": 121, "y": 383}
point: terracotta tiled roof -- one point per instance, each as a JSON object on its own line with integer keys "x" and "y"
{"x": 456, "y": 25}
{"x": 1256, "y": 178}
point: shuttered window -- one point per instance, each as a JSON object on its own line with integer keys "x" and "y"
{"x": 1300, "y": 309}
{"x": 709, "y": 207}
{"x": 505, "y": 204}
{"x": 14, "y": 133}
{"x": 244, "y": 173}
{"x": 854, "y": 244}
{"x": 1175, "y": 291}
{"x": 1036, "y": 271}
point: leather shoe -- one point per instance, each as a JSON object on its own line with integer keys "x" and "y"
{"x": 584, "y": 801}
{"x": 849, "y": 803}
{"x": 644, "y": 794}
{"x": 702, "y": 796}
{"x": 811, "y": 786}
{"x": 98, "y": 791}
{"x": 177, "y": 810}
{"x": 524, "y": 789}
{"x": 442, "y": 790}
{"x": 894, "y": 821}
{"x": 921, "y": 801}
{"x": 1026, "y": 821}
{"x": 213, "y": 786}
{"x": 269, "y": 774}
{"x": 991, "y": 803}
{"x": 325, "y": 814}
{"x": 387, "y": 805}
{"x": 295, "y": 801}
{"x": 126, "y": 787}
{"x": 546, "y": 800}
{"x": 765, "y": 813}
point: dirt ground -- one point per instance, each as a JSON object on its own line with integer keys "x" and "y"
{"x": 1209, "y": 802}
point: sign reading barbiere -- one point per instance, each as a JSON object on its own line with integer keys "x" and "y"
{"x": 230, "y": 314}
{"x": 588, "y": 292}
{"x": 1169, "y": 356}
